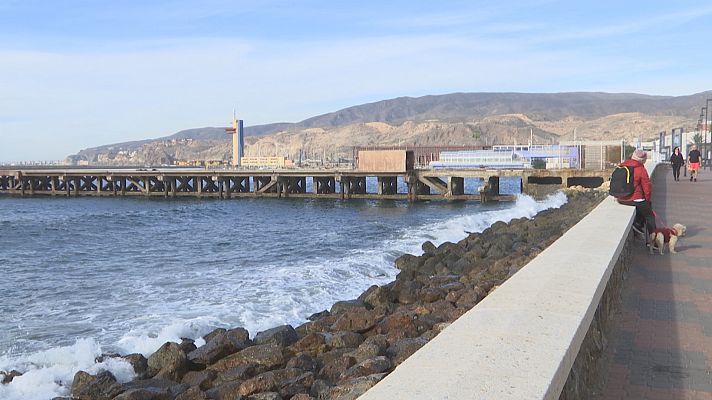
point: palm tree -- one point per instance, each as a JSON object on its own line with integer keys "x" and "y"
{"x": 697, "y": 138}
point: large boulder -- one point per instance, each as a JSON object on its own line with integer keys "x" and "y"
{"x": 311, "y": 343}
{"x": 344, "y": 339}
{"x": 430, "y": 295}
{"x": 267, "y": 355}
{"x": 371, "y": 366}
{"x": 203, "y": 380}
{"x": 282, "y": 336}
{"x": 214, "y": 333}
{"x": 221, "y": 345}
{"x": 168, "y": 362}
{"x": 192, "y": 394}
{"x": 407, "y": 262}
{"x": 399, "y": 351}
{"x": 372, "y": 347}
{"x": 406, "y": 292}
{"x": 238, "y": 374}
{"x": 377, "y": 295}
{"x": 139, "y": 364}
{"x": 265, "y": 396}
{"x": 299, "y": 384}
{"x": 265, "y": 382}
{"x": 146, "y": 394}
{"x": 103, "y": 386}
{"x": 303, "y": 362}
{"x": 344, "y": 305}
{"x": 354, "y": 388}
{"x": 359, "y": 319}
{"x": 226, "y": 391}
{"x": 333, "y": 369}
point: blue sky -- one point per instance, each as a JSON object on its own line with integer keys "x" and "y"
{"x": 76, "y": 74}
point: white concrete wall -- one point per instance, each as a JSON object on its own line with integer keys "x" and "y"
{"x": 521, "y": 341}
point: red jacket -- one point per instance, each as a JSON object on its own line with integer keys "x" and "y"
{"x": 641, "y": 181}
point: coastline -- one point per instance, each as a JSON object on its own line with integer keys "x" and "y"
{"x": 342, "y": 352}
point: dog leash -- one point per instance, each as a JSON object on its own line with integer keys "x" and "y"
{"x": 658, "y": 218}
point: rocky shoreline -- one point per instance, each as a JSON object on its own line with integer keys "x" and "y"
{"x": 342, "y": 352}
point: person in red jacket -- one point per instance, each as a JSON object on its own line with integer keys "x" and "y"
{"x": 642, "y": 192}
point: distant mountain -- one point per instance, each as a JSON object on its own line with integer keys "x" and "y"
{"x": 549, "y": 115}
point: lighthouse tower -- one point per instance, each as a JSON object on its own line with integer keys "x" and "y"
{"x": 238, "y": 140}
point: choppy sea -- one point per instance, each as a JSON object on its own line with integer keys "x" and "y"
{"x": 86, "y": 276}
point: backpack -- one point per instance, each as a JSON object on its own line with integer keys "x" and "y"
{"x": 622, "y": 182}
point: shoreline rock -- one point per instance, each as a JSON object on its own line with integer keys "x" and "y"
{"x": 342, "y": 352}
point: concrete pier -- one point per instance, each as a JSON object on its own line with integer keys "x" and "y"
{"x": 338, "y": 184}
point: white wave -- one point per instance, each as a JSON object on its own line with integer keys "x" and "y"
{"x": 455, "y": 229}
{"x": 146, "y": 343}
{"x": 49, "y": 373}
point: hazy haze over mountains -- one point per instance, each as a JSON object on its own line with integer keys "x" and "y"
{"x": 450, "y": 119}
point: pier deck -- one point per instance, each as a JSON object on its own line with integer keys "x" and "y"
{"x": 339, "y": 184}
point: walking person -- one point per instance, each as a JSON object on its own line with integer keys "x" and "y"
{"x": 677, "y": 162}
{"x": 694, "y": 159}
{"x": 642, "y": 190}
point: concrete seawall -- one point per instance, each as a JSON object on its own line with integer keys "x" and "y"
{"x": 539, "y": 334}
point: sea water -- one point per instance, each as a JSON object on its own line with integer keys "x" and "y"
{"x": 86, "y": 276}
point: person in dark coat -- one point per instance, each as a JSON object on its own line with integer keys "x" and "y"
{"x": 677, "y": 162}
{"x": 642, "y": 189}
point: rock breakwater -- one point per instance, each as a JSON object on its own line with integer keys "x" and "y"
{"x": 342, "y": 352}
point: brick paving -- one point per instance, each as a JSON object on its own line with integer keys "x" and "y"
{"x": 661, "y": 341}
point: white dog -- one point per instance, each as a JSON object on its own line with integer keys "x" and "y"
{"x": 669, "y": 236}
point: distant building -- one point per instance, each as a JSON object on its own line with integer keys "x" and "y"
{"x": 491, "y": 159}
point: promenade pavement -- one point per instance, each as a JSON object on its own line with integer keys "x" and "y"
{"x": 661, "y": 342}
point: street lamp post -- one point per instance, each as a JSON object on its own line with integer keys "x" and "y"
{"x": 706, "y": 156}
{"x": 705, "y": 122}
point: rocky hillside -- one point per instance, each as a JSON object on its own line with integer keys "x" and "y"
{"x": 453, "y": 119}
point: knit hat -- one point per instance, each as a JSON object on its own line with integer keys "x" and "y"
{"x": 639, "y": 155}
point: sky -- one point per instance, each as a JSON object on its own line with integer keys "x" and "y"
{"x": 81, "y": 73}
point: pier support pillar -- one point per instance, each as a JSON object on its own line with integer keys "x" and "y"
{"x": 490, "y": 190}
{"x": 356, "y": 185}
{"x": 387, "y": 185}
{"x": 296, "y": 184}
{"x": 455, "y": 186}
{"x": 421, "y": 188}
{"x": 325, "y": 185}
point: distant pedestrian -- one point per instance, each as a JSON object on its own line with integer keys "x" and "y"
{"x": 694, "y": 158}
{"x": 677, "y": 161}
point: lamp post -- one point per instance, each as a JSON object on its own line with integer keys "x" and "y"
{"x": 703, "y": 113}
{"x": 706, "y": 156}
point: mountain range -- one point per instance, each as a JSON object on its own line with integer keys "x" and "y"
{"x": 449, "y": 119}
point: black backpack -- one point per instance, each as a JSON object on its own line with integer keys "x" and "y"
{"x": 622, "y": 183}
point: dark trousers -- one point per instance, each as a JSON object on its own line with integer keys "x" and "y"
{"x": 643, "y": 212}
{"x": 676, "y": 171}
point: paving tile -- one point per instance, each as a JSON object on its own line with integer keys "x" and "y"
{"x": 661, "y": 341}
